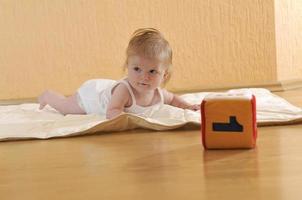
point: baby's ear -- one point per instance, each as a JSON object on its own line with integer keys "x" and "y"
{"x": 166, "y": 74}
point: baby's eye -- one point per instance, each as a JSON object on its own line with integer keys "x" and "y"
{"x": 153, "y": 71}
{"x": 137, "y": 69}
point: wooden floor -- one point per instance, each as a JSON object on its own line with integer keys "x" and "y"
{"x": 144, "y": 164}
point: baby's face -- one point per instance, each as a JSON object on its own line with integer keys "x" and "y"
{"x": 144, "y": 74}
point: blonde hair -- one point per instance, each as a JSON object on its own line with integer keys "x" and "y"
{"x": 150, "y": 43}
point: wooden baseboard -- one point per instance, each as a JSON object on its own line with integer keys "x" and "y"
{"x": 17, "y": 101}
{"x": 291, "y": 84}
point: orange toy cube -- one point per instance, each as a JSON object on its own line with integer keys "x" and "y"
{"x": 229, "y": 121}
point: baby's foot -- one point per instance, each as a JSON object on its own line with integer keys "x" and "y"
{"x": 42, "y": 100}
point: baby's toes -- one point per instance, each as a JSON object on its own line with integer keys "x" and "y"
{"x": 42, "y": 102}
{"x": 42, "y": 106}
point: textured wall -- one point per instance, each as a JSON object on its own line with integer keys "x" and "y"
{"x": 289, "y": 39}
{"x": 58, "y": 44}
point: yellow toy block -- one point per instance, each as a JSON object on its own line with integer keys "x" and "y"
{"x": 229, "y": 121}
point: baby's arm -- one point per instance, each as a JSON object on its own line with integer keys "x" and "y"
{"x": 176, "y": 101}
{"x": 119, "y": 99}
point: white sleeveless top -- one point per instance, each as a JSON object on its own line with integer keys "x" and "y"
{"x": 137, "y": 109}
{"x": 94, "y": 96}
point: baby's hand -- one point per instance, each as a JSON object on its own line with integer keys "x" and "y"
{"x": 194, "y": 107}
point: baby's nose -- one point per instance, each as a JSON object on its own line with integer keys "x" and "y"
{"x": 146, "y": 76}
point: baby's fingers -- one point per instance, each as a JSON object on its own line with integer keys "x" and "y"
{"x": 195, "y": 107}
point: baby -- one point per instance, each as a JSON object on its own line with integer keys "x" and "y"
{"x": 148, "y": 64}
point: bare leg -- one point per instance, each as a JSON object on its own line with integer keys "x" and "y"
{"x": 65, "y": 105}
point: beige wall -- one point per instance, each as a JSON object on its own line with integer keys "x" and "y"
{"x": 59, "y": 44}
{"x": 289, "y": 39}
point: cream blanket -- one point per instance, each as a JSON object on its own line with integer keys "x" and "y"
{"x": 27, "y": 121}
